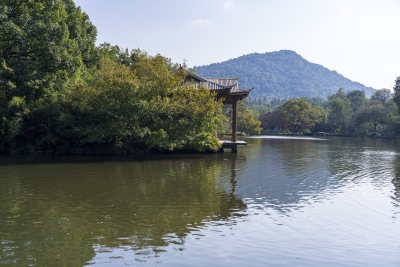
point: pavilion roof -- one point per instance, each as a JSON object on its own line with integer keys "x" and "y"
{"x": 227, "y": 88}
{"x": 195, "y": 76}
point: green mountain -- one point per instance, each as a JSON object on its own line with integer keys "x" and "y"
{"x": 283, "y": 74}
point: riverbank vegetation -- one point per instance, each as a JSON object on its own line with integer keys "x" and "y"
{"x": 62, "y": 94}
{"x": 343, "y": 113}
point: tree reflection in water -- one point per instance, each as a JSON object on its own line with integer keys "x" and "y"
{"x": 68, "y": 213}
{"x": 56, "y": 214}
{"x": 396, "y": 180}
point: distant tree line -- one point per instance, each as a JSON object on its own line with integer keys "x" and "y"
{"x": 265, "y": 101}
{"x": 350, "y": 113}
{"x": 264, "y": 104}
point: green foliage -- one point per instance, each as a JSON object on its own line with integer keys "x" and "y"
{"x": 375, "y": 117}
{"x": 339, "y": 108}
{"x": 246, "y": 123}
{"x": 317, "y": 101}
{"x": 44, "y": 45}
{"x": 263, "y": 104}
{"x": 61, "y": 94}
{"x": 397, "y": 92}
{"x": 299, "y": 115}
{"x": 125, "y": 109}
{"x": 381, "y": 96}
{"x": 281, "y": 74}
{"x": 114, "y": 53}
{"x": 344, "y": 113}
{"x": 357, "y": 99}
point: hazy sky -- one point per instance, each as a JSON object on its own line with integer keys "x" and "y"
{"x": 358, "y": 38}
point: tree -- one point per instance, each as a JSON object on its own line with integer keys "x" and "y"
{"x": 397, "y": 92}
{"x": 124, "y": 109}
{"x": 114, "y": 53}
{"x": 357, "y": 99}
{"x": 299, "y": 115}
{"x": 381, "y": 96}
{"x": 272, "y": 121}
{"x": 246, "y": 122}
{"x": 376, "y": 116}
{"x": 44, "y": 45}
{"x": 317, "y": 101}
{"x": 338, "y": 111}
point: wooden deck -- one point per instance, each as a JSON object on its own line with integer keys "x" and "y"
{"x": 231, "y": 144}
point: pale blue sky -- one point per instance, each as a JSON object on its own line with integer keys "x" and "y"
{"x": 358, "y": 38}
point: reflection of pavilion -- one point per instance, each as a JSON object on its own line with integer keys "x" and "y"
{"x": 228, "y": 90}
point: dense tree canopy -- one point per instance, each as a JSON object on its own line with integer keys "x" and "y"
{"x": 59, "y": 93}
{"x": 339, "y": 108}
{"x": 124, "y": 109}
{"x": 43, "y": 46}
{"x": 296, "y": 115}
{"x": 357, "y": 99}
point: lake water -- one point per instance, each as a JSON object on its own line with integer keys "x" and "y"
{"x": 277, "y": 202}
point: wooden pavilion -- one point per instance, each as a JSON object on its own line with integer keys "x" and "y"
{"x": 228, "y": 90}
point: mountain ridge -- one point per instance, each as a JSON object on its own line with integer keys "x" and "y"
{"x": 283, "y": 74}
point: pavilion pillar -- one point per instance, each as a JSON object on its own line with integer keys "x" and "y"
{"x": 234, "y": 120}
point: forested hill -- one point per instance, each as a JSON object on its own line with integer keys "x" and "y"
{"x": 282, "y": 74}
